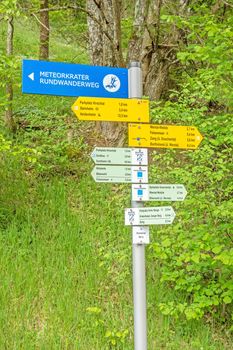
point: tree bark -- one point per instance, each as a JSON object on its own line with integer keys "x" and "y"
{"x": 44, "y": 31}
{"x": 105, "y": 49}
{"x": 116, "y": 8}
{"x": 158, "y": 53}
{"x": 9, "y": 120}
{"x": 95, "y": 33}
{"x": 136, "y": 40}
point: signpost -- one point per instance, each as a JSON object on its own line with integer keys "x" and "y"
{"x": 138, "y": 250}
{"x": 156, "y": 192}
{"x": 69, "y": 79}
{"x": 126, "y": 156}
{"x": 120, "y": 174}
{"x": 141, "y": 235}
{"x": 111, "y": 109}
{"x": 164, "y": 136}
{"x": 107, "y": 89}
{"x": 149, "y": 216}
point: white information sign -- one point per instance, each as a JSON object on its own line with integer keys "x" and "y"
{"x": 157, "y": 192}
{"x": 141, "y": 235}
{"x": 120, "y": 174}
{"x": 124, "y": 156}
{"x": 149, "y": 216}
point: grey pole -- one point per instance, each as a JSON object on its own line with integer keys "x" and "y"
{"x": 139, "y": 274}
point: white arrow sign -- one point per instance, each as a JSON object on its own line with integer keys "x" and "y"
{"x": 120, "y": 174}
{"x": 125, "y": 156}
{"x": 157, "y": 192}
{"x": 149, "y": 216}
{"x": 31, "y": 76}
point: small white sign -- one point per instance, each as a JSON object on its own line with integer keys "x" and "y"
{"x": 139, "y": 174}
{"x": 139, "y": 156}
{"x": 140, "y": 193}
{"x": 149, "y": 216}
{"x": 141, "y": 235}
{"x": 157, "y": 192}
{"x": 120, "y": 174}
{"x": 124, "y": 156}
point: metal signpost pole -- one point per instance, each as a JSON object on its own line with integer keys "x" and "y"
{"x": 139, "y": 275}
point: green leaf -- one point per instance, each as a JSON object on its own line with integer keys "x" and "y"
{"x": 227, "y": 300}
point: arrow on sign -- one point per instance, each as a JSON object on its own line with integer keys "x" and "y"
{"x": 120, "y": 174}
{"x": 149, "y": 216}
{"x": 111, "y": 155}
{"x": 112, "y": 109}
{"x": 31, "y": 76}
{"x": 156, "y": 192}
{"x": 164, "y": 136}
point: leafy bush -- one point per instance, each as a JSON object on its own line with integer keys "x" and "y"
{"x": 196, "y": 252}
{"x": 16, "y": 162}
{"x": 50, "y": 136}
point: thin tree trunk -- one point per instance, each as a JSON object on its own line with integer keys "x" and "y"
{"x": 135, "y": 43}
{"x": 155, "y": 66}
{"x": 44, "y": 31}
{"x": 105, "y": 49}
{"x": 111, "y": 9}
{"x": 158, "y": 56}
{"x": 117, "y": 5}
{"x": 9, "y": 120}
{"x": 95, "y": 33}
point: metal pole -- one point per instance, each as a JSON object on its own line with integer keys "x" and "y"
{"x": 139, "y": 274}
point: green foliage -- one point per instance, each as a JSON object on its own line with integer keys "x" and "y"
{"x": 9, "y": 73}
{"x": 9, "y": 8}
{"x": 9, "y": 151}
{"x": 9, "y": 65}
{"x": 9, "y": 69}
{"x": 49, "y": 135}
{"x": 196, "y": 252}
{"x": 207, "y": 57}
{"x": 114, "y": 339}
{"x": 15, "y": 162}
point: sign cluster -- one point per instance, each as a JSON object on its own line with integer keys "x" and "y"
{"x": 130, "y": 165}
{"x": 103, "y": 96}
{"x": 136, "y": 172}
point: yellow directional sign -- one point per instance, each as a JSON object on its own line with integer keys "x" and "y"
{"x": 163, "y": 136}
{"x": 112, "y": 109}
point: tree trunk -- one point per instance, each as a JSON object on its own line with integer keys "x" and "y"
{"x": 116, "y": 10}
{"x": 9, "y": 120}
{"x": 157, "y": 75}
{"x": 159, "y": 55}
{"x": 105, "y": 49}
{"x": 135, "y": 43}
{"x": 112, "y": 56}
{"x": 44, "y": 31}
{"x": 155, "y": 67}
{"x": 95, "y": 33}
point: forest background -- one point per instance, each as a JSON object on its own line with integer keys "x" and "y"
{"x": 65, "y": 254}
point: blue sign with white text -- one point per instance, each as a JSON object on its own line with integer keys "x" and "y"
{"x": 68, "y": 79}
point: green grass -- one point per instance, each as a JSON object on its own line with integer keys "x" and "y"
{"x": 69, "y": 251}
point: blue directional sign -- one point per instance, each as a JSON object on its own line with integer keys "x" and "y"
{"x": 68, "y": 79}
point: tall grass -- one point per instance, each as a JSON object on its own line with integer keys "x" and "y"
{"x": 65, "y": 271}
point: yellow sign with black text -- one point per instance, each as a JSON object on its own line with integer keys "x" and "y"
{"x": 112, "y": 109}
{"x": 163, "y": 136}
